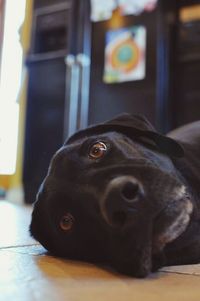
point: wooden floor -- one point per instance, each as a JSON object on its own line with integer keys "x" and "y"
{"x": 27, "y": 273}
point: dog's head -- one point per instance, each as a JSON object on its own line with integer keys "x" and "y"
{"x": 112, "y": 194}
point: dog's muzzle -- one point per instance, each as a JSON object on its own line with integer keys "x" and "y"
{"x": 120, "y": 200}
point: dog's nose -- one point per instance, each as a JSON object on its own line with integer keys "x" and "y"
{"x": 129, "y": 190}
{"x": 121, "y": 198}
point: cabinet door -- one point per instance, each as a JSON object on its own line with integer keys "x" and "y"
{"x": 187, "y": 102}
{"x": 139, "y": 96}
{"x": 187, "y": 65}
{"x": 44, "y": 121}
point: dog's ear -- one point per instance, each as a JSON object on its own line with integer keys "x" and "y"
{"x": 135, "y": 127}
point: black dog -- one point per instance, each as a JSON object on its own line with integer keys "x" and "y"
{"x": 123, "y": 194}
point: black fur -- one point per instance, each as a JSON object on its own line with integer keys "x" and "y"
{"x": 161, "y": 227}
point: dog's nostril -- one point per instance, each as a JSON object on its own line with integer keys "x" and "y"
{"x": 119, "y": 218}
{"x": 130, "y": 191}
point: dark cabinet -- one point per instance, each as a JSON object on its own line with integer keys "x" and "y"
{"x": 187, "y": 64}
{"x": 46, "y": 91}
{"x": 44, "y": 122}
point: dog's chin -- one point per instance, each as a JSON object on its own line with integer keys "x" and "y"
{"x": 138, "y": 263}
{"x": 172, "y": 221}
{"x": 135, "y": 267}
{"x": 129, "y": 270}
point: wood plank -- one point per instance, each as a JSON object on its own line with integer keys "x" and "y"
{"x": 14, "y": 225}
{"x": 42, "y": 277}
{"x": 191, "y": 269}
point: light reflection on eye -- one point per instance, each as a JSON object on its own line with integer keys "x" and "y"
{"x": 97, "y": 150}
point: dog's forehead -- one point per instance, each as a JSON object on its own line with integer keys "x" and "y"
{"x": 111, "y": 136}
{"x": 115, "y": 140}
{"x": 77, "y": 148}
{"x": 119, "y": 142}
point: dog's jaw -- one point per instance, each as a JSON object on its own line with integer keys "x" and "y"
{"x": 176, "y": 226}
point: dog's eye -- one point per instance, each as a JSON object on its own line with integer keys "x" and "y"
{"x": 67, "y": 222}
{"x": 97, "y": 150}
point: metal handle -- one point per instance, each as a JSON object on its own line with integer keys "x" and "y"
{"x": 84, "y": 62}
{"x": 70, "y": 60}
{"x": 72, "y": 95}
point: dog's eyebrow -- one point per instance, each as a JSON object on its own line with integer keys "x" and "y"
{"x": 95, "y": 138}
{"x": 86, "y": 143}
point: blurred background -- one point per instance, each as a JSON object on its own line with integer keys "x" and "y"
{"x": 66, "y": 64}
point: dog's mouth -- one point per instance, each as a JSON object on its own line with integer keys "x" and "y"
{"x": 167, "y": 226}
{"x": 171, "y": 222}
